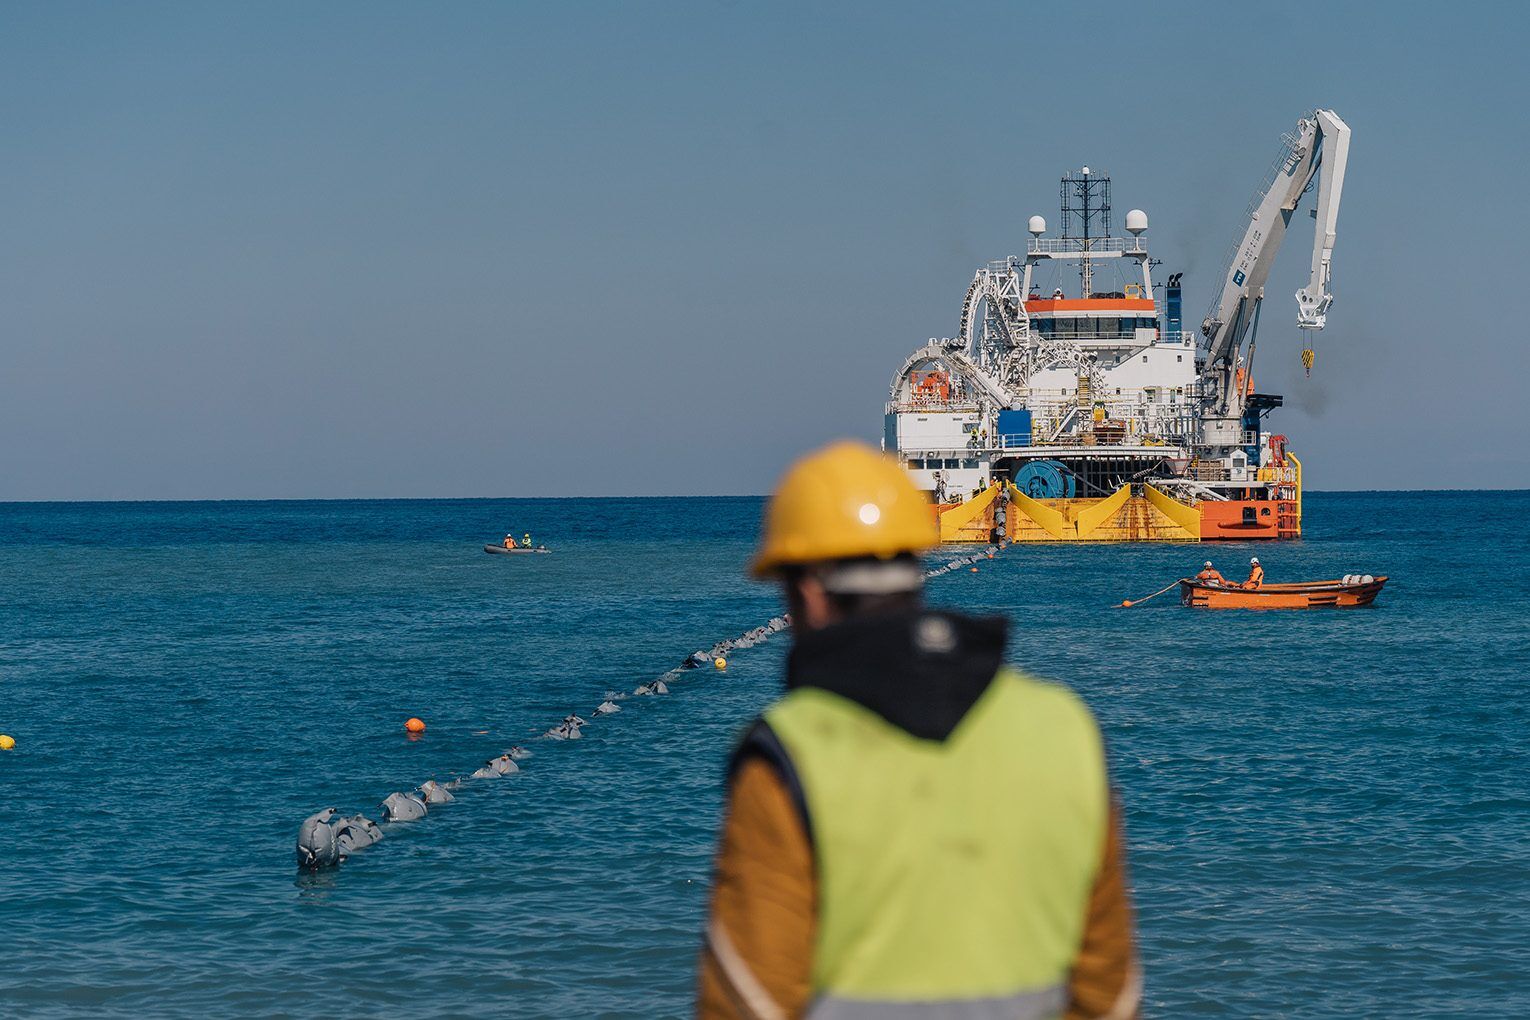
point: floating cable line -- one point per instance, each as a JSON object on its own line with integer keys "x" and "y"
{"x": 326, "y": 838}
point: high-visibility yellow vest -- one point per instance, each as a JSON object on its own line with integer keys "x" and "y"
{"x": 954, "y": 874}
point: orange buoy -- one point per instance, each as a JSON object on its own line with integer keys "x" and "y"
{"x": 414, "y": 725}
{"x": 974, "y": 570}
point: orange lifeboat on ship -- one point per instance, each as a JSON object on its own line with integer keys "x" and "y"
{"x": 1351, "y": 591}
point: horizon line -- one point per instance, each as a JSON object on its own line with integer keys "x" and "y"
{"x": 497, "y": 499}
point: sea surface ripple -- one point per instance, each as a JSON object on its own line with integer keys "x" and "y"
{"x": 1327, "y": 811}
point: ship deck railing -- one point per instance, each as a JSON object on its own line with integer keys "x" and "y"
{"x": 1097, "y": 247}
{"x": 1024, "y": 442}
{"x": 1134, "y": 446}
{"x": 913, "y": 406}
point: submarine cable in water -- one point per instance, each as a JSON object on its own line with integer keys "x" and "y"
{"x": 325, "y": 841}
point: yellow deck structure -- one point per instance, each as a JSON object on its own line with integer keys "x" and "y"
{"x": 1153, "y": 516}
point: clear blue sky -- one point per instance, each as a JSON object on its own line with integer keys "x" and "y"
{"x": 406, "y": 249}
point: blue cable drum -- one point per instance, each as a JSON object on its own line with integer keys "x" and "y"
{"x": 1045, "y": 479}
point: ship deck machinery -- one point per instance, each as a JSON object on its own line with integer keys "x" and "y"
{"x": 1097, "y": 417}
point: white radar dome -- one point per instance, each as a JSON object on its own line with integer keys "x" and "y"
{"x": 1136, "y": 221}
{"x": 1038, "y": 226}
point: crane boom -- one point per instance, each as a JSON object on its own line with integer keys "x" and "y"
{"x": 1312, "y": 301}
{"x": 1316, "y": 154}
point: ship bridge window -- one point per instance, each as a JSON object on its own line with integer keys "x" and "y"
{"x": 917, "y": 465}
{"x": 969, "y": 462}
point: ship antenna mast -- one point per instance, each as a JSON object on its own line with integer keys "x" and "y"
{"x": 1086, "y": 203}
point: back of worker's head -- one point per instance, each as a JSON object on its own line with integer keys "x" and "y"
{"x": 843, "y": 533}
{"x": 821, "y": 594}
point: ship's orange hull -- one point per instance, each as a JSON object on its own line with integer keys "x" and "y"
{"x": 1310, "y": 595}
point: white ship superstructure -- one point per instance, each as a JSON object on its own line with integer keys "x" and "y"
{"x": 1072, "y": 403}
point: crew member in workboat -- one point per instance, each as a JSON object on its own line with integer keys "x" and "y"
{"x": 1211, "y": 574}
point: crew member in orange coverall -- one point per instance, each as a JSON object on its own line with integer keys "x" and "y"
{"x": 1255, "y": 575}
{"x": 1208, "y": 573}
{"x": 915, "y": 829}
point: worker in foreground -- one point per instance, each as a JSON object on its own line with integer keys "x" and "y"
{"x": 1210, "y": 573}
{"x": 914, "y": 829}
{"x": 1255, "y": 575}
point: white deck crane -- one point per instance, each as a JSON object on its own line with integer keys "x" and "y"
{"x": 1315, "y": 154}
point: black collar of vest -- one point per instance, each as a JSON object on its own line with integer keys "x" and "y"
{"x": 921, "y": 671}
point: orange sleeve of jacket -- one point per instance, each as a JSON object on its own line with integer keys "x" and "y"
{"x": 757, "y": 961}
{"x": 758, "y": 957}
{"x": 1105, "y": 983}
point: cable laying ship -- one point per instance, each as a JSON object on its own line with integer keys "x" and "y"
{"x": 1097, "y": 417}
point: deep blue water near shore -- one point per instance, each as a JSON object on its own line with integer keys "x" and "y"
{"x": 1327, "y": 811}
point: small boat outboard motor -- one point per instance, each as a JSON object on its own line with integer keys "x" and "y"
{"x": 316, "y": 844}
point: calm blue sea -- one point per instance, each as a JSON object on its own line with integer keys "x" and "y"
{"x": 1329, "y": 812}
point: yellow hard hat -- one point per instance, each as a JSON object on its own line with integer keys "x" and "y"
{"x": 841, "y": 502}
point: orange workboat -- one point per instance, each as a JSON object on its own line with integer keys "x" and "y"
{"x": 1350, "y": 591}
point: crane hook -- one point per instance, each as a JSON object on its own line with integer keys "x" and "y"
{"x": 1308, "y": 357}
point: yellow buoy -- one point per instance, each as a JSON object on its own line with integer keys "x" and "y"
{"x": 7, "y": 742}
{"x": 720, "y": 662}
